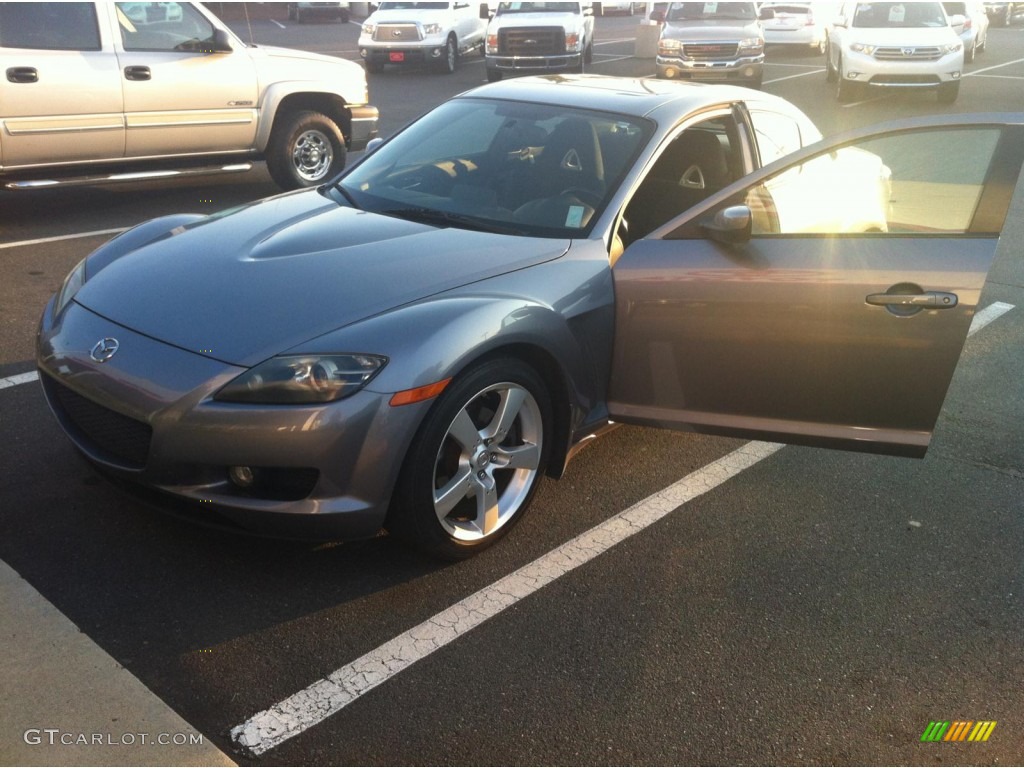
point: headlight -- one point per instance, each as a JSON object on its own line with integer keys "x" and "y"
{"x": 669, "y": 44}
{"x": 369, "y": 29}
{"x": 431, "y": 29}
{"x": 297, "y": 379}
{"x": 70, "y": 286}
{"x": 492, "y": 44}
{"x": 752, "y": 45}
{"x": 951, "y": 47}
{"x": 863, "y": 48}
{"x": 572, "y": 41}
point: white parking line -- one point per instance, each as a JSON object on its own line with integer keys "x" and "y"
{"x": 329, "y": 695}
{"x": 20, "y": 378}
{"x": 977, "y": 72}
{"x": 791, "y": 77}
{"x": 275, "y": 21}
{"x": 58, "y": 238}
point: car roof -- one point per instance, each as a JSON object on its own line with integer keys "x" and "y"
{"x": 640, "y": 97}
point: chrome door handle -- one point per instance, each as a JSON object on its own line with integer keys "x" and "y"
{"x": 929, "y": 300}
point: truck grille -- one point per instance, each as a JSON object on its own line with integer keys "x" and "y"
{"x": 710, "y": 51}
{"x": 397, "y": 33}
{"x": 531, "y": 41}
{"x": 109, "y": 434}
{"x": 909, "y": 53}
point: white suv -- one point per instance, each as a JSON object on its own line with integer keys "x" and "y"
{"x": 434, "y": 32}
{"x": 894, "y": 45}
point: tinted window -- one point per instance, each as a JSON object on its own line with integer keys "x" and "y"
{"x": 49, "y": 26}
{"x": 163, "y": 27}
{"x": 906, "y": 14}
{"x": 711, "y": 11}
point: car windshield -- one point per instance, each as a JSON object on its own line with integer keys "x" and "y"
{"x": 500, "y": 166}
{"x": 711, "y": 11}
{"x": 899, "y": 15}
{"x": 538, "y": 7}
{"x": 399, "y": 5}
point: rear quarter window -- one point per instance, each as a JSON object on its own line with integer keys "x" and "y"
{"x": 49, "y": 26}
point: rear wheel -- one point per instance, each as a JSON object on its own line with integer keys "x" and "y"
{"x": 305, "y": 149}
{"x": 476, "y": 461}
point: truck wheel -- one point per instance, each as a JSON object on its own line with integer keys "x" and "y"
{"x": 588, "y": 54}
{"x": 450, "y": 56}
{"x": 493, "y": 75}
{"x": 374, "y": 67}
{"x": 305, "y": 149}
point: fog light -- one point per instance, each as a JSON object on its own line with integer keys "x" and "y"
{"x": 362, "y": 52}
{"x": 955, "y": 75}
{"x": 436, "y": 53}
{"x": 853, "y": 75}
{"x": 670, "y": 72}
{"x": 748, "y": 72}
{"x": 243, "y": 477}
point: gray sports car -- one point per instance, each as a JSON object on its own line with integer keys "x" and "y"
{"x": 413, "y": 346}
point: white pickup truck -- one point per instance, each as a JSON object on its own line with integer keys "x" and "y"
{"x": 105, "y": 91}
{"x": 537, "y": 37}
{"x": 437, "y": 32}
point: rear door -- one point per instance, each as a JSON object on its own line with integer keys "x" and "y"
{"x": 60, "y": 92}
{"x": 823, "y": 300}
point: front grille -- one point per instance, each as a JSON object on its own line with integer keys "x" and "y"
{"x": 397, "y": 33}
{"x": 531, "y": 41}
{"x": 710, "y": 51}
{"x": 110, "y": 435}
{"x": 909, "y": 53}
{"x": 905, "y": 79}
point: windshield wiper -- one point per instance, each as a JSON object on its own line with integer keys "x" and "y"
{"x": 447, "y": 218}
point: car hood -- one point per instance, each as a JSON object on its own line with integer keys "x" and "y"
{"x": 699, "y": 30}
{"x": 257, "y": 281}
{"x": 903, "y": 36}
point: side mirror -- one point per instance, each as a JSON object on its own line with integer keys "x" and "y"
{"x": 373, "y": 144}
{"x": 840, "y": 21}
{"x": 221, "y": 42}
{"x": 766, "y": 14}
{"x": 485, "y": 11}
{"x": 957, "y": 21}
{"x": 731, "y": 225}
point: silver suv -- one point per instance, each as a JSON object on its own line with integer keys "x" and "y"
{"x": 93, "y": 89}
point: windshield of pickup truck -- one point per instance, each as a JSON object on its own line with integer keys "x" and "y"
{"x": 900, "y": 15}
{"x": 401, "y": 5}
{"x": 711, "y": 12}
{"x": 539, "y": 7}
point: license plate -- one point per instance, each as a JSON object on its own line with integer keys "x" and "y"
{"x": 396, "y": 56}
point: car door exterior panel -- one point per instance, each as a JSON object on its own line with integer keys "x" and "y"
{"x": 55, "y": 54}
{"x": 840, "y": 320}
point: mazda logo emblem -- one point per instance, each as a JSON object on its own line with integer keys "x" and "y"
{"x": 104, "y": 349}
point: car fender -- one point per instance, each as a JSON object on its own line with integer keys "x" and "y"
{"x": 138, "y": 237}
{"x": 315, "y": 91}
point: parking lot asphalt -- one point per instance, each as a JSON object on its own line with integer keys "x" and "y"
{"x": 814, "y": 608}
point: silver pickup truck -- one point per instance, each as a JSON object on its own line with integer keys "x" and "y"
{"x": 101, "y": 91}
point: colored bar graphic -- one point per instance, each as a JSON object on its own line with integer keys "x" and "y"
{"x": 958, "y": 730}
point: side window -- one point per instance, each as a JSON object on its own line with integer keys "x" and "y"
{"x": 163, "y": 27}
{"x": 49, "y": 26}
{"x": 777, "y": 135}
{"x": 921, "y": 183}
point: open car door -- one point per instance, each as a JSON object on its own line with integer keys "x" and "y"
{"x": 824, "y": 299}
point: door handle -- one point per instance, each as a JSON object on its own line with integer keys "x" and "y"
{"x": 928, "y": 300}
{"x": 137, "y": 73}
{"x": 23, "y": 75}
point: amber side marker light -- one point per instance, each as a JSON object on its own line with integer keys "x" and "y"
{"x": 410, "y": 396}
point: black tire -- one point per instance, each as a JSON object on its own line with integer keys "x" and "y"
{"x": 845, "y": 90}
{"x": 373, "y": 67}
{"x": 588, "y": 54}
{"x": 305, "y": 149}
{"x": 450, "y": 58}
{"x": 493, "y": 75}
{"x": 830, "y": 71}
{"x": 972, "y": 52}
{"x": 948, "y": 92}
{"x": 470, "y": 474}
{"x": 755, "y": 83}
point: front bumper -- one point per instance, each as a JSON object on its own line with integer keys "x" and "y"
{"x": 525, "y": 64}
{"x": 745, "y": 68}
{"x": 147, "y": 416}
{"x": 364, "y": 127}
{"x": 893, "y": 73}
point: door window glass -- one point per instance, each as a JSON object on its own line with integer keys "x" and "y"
{"x": 164, "y": 27}
{"x": 777, "y": 135}
{"x": 921, "y": 183}
{"x": 49, "y": 26}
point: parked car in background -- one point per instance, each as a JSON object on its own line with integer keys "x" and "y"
{"x": 974, "y": 29}
{"x": 605, "y": 8}
{"x": 263, "y": 366}
{"x": 908, "y": 45}
{"x": 802, "y": 25}
{"x": 711, "y": 42}
{"x": 416, "y": 32}
{"x": 96, "y": 89}
{"x": 303, "y": 12}
{"x": 1002, "y": 14}
{"x": 537, "y": 36}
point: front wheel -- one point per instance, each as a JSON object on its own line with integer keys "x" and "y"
{"x": 845, "y": 90}
{"x": 450, "y": 56}
{"x": 476, "y": 461}
{"x": 493, "y": 75}
{"x": 305, "y": 149}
